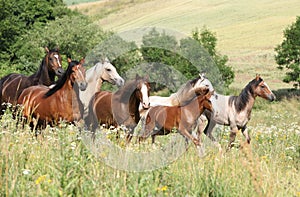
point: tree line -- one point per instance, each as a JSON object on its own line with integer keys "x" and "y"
{"x": 28, "y": 26}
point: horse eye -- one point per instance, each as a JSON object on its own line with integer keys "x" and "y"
{"x": 108, "y": 69}
{"x": 262, "y": 86}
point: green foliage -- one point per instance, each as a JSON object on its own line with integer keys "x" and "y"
{"x": 18, "y": 17}
{"x": 74, "y": 35}
{"x": 190, "y": 56}
{"x": 288, "y": 53}
{"x": 209, "y": 41}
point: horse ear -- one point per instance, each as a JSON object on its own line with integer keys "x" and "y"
{"x": 82, "y": 61}
{"x": 137, "y": 77}
{"x": 69, "y": 60}
{"x": 257, "y": 77}
{"x": 147, "y": 77}
{"x": 46, "y": 49}
{"x": 202, "y": 75}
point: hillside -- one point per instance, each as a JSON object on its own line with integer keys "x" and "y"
{"x": 247, "y": 31}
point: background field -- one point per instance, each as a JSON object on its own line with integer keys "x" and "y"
{"x": 59, "y": 163}
{"x": 247, "y": 31}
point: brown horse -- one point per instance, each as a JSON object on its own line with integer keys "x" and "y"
{"x": 183, "y": 118}
{"x": 121, "y": 107}
{"x": 58, "y": 103}
{"x": 12, "y": 85}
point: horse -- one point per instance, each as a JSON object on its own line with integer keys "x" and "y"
{"x": 183, "y": 118}
{"x": 235, "y": 111}
{"x": 121, "y": 107}
{"x": 12, "y": 85}
{"x": 101, "y": 72}
{"x": 184, "y": 95}
{"x": 50, "y": 105}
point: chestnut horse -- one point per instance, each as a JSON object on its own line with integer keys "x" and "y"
{"x": 235, "y": 111}
{"x": 50, "y": 105}
{"x": 183, "y": 118}
{"x": 121, "y": 107}
{"x": 12, "y": 85}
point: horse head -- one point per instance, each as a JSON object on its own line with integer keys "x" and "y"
{"x": 109, "y": 73}
{"x": 53, "y": 61}
{"x": 143, "y": 90}
{"x": 202, "y": 81}
{"x": 261, "y": 89}
{"x": 78, "y": 74}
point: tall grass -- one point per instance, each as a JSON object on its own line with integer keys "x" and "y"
{"x": 59, "y": 164}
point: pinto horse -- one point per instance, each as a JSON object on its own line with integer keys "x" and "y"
{"x": 95, "y": 76}
{"x": 50, "y": 105}
{"x": 12, "y": 85}
{"x": 183, "y": 118}
{"x": 235, "y": 111}
{"x": 121, "y": 107}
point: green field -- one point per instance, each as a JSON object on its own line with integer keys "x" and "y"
{"x": 247, "y": 31}
{"x": 58, "y": 163}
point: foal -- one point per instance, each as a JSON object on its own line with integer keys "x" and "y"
{"x": 183, "y": 118}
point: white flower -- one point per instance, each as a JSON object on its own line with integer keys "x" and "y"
{"x": 26, "y": 172}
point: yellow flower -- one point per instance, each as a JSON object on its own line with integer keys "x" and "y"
{"x": 40, "y": 179}
{"x": 164, "y": 188}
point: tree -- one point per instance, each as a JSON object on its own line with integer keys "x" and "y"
{"x": 288, "y": 53}
{"x": 17, "y": 17}
{"x": 209, "y": 41}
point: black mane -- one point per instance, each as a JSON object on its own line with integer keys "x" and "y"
{"x": 63, "y": 79}
{"x": 241, "y": 101}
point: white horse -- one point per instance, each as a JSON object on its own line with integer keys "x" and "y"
{"x": 184, "y": 95}
{"x": 235, "y": 111}
{"x": 95, "y": 76}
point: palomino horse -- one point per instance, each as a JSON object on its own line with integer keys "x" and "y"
{"x": 183, "y": 118}
{"x": 235, "y": 111}
{"x": 12, "y": 85}
{"x": 95, "y": 76}
{"x": 58, "y": 103}
{"x": 121, "y": 107}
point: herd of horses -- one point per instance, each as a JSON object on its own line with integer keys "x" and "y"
{"x": 77, "y": 97}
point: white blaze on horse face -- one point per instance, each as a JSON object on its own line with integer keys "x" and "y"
{"x": 57, "y": 58}
{"x": 145, "y": 96}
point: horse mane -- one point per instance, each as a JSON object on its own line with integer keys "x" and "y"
{"x": 240, "y": 102}
{"x": 184, "y": 92}
{"x": 60, "y": 83}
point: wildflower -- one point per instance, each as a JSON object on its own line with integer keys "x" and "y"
{"x": 164, "y": 188}
{"x": 26, "y": 172}
{"x": 40, "y": 179}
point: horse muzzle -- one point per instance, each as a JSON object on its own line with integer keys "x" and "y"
{"x": 82, "y": 86}
{"x": 146, "y": 106}
{"x": 59, "y": 72}
{"x": 119, "y": 81}
{"x": 272, "y": 97}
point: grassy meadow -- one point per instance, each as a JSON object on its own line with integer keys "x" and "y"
{"x": 59, "y": 163}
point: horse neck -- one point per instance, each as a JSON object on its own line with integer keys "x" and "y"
{"x": 184, "y": 95}
{"x": 94, "y": 82}
{"x": 43, "y": 75}
{"x": 134, "y": 104}
{"x": 245, "y": 100}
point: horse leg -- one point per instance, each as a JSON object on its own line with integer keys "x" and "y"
{"x": 208, "y": 132}
{"x": 246, "y": 134}
{"x": 232, "y": 135}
